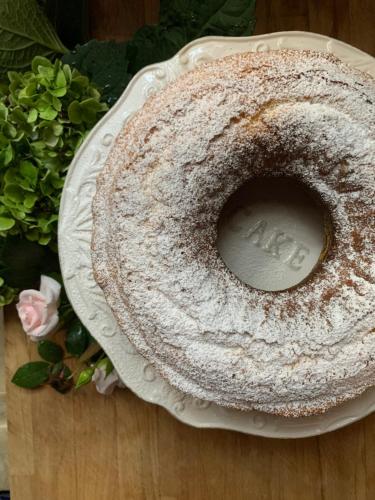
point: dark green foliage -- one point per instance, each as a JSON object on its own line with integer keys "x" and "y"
{"x": 111, "y": 65}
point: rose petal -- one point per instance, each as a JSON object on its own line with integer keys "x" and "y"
{"x": 31, "y": 295}
{"x": 46, "y": 328}
{"x": 29, "y": 316}
{"x": 32, "y": 309}
{"x": 38, "y": 309}
{"x": 105, "y": 384}
{"x": 50, "y": 288}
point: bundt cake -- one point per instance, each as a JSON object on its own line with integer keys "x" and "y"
{"x": 298, "y": 114}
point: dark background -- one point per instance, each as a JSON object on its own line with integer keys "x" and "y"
{"x": 352, "y": 21}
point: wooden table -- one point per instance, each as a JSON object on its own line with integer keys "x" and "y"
{"x": 85, "y": 446}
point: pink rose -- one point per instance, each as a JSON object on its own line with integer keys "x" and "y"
{"x": 105, "y": 384}
{"x": 38, "y": 309}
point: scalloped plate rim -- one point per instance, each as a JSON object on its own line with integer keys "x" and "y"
{"x": 301, "y": 426}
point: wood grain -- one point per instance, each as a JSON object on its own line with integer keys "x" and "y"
{"x": 85, "y": 446}
{"x": 351, "y": 21}
{"x": 119, "y": 19}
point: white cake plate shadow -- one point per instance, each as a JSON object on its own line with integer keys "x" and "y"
{"x": 75, "y": 224}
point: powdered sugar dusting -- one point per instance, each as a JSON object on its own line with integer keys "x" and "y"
{"x": 290, "y": 113}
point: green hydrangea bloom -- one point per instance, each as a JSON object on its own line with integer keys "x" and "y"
{"x": 45, "y": 114}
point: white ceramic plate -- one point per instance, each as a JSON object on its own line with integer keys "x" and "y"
{"x": 75, "y": 237}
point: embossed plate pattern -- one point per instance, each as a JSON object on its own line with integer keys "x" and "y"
{"x": 75, "y": 238}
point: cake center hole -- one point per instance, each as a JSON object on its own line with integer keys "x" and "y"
{"x": 272, "y": 233}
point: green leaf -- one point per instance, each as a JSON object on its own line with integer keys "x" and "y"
{"x": 49, "y": 137}
{"x": 89, "y": 108}
{"x": 6, "y": 155}
{"x": 56, "y": 368}
{"x": 9, "y": 131}
{"x": 77, "y": 339}
{"x": 44, "y": 239}
{"x": 74, "y": 112}
{"x": 14, "y": 192}
{"x": 60, "y": 80}
{"x": 58, "y": 129}
{"x": 111, "y": 65}
{"x": 59, "y": 92}
{"x": 85, "y": 377}
{"x": 29, "y": 171}
{"x": 7, "y": 293}
{"x": 25, "y": 32}
{"x": 50, "y": 351}
{"x": 168, "y": 40}
{"x": 106, "y": 63}
{"x": 31, "y": 374}
{"x": 29, "y": 201}
{"x": 61, "y": 370}
{"x": 19, "y": 117}
{"x": 3, "y": 111}
{"x": 56, "y": 103}
{"x": 32, "y": 116}
{"x": 6, "y": 223}
{"x": 212, "y": 17}
{"x": 48, "y": 113}
{"x": 40, "y": 61}
{"x": 67, "y": 73}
